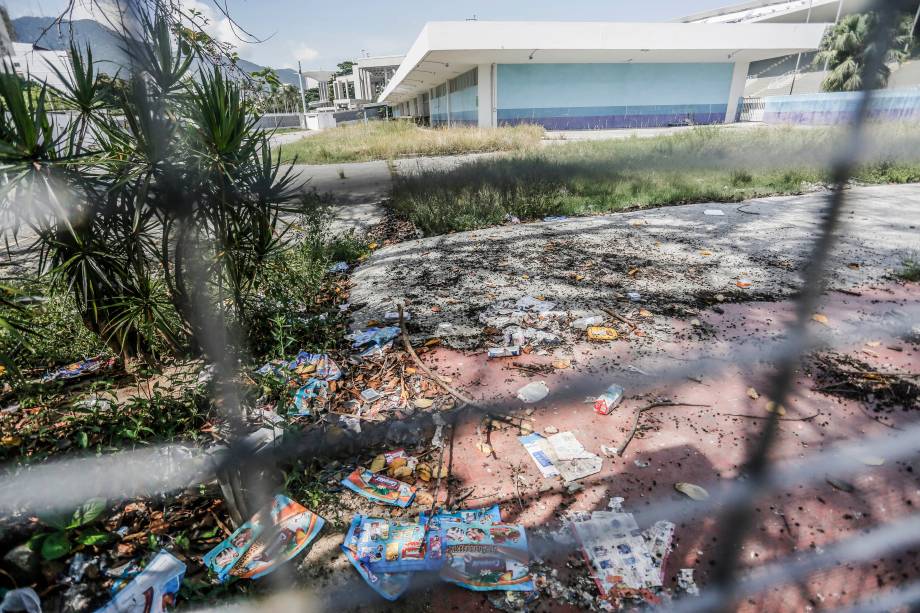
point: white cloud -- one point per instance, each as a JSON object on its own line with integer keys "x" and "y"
{"x": 304, "y": 53}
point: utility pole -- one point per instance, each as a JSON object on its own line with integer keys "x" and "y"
{"x": 798, "y": 60}
{"x": 303, "y": 97}
{"x": 913, "y": 29}
{"x": 836, "y": 21}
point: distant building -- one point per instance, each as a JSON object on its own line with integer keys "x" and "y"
{"x": 586, "y": 75}
{"x": 35, "y": 63}
{"x": 797, "y": 73}
{"x": 368, "y": 78}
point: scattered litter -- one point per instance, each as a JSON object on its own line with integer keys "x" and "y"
{"x": 394, "y": 316}
{"x": 714, "y": 212}
{"x": 512, "y": 219}
{"x": 315, "y": 369}
{"x": 609, "y": 400}
{"x": 610, "y": 452}
{"x": 551, "y": 430}
{"x": 338, "y": 268}
{"x": 78, "y": 369}
{"x": 562, "y": 364}
{"x": 533, "y": 392}
{"x": 561, "y": 455}
{"x": 634, "y": 296}
{"x": 538, "y": 449}
{"x": 583, "y": 323}
{"x": 513, "y": 602}
{"x": 504, "y": 352}
{"x": 206, "y": 375}
{"x": 529, "y": 303}
{"x": 752, "y": 393}
{"x": 597, "y": 333}
{"x": 22, "y": 599}
{"x": 820, "y": 318}
{"x": 370, "y": 395}
{"x": 351, "y": 424}
{"x": 641, "y": 464}
{"x": 389, "y": 585}
{"x": 485, "y": 556}
{"x": 151, "y": 590}
{"x": 744, "y": 283}
{"x": 379, "y": 488}
{"x": 686, "y": 583}
{"x": 373, "y": 340}
{"x": 691, "y": 490}
{"x": 555, "y": 218}
{"x": 620, "y": 554}
{"x": 272, "y": 537}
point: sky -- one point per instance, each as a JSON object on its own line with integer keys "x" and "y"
{"x": 322, "y": 33}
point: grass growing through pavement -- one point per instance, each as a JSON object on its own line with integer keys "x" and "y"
{"x": 702, "y": 165}
{"x": 379, "y": 140}
{"x": 910, "y": 269}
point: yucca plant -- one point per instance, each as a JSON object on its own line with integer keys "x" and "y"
{"x": 151, "y": 207}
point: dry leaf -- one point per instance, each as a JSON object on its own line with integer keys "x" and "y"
{"x": 820, "y": 318}
{"x": 752, "y": 393}
{"x": 853, "y": 266}
{"x": 424, "y": 499}
{"x": 379, "y": 463}
{"x": 423, "y": 403}
{"x": 431, "y": 342}
{"x": 411, "y": 371}
{"x": 772, "y": 406}
{"x": 743, "y": 283}
{"x": 485, "y": 448}
{"x": 691, "y": 490}
{"x": 402, "y": 472}
{"x": 435, "y": 309}
{"x": 874, "y": 344}
{"x": 579, "y": 277}
{"x": 633, "y": 272}
{"x": 705, "y": 252}
{"x": 561, "y": 364}
{"x": 644, "y": 313}
{"x": 424, "y": 472}
{"x": 526, "y": 428}
{"x": 398, "y": 463}
{"x": 9, "y": 440}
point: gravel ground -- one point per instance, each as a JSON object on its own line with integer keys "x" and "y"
{"x": 674, "y": 257}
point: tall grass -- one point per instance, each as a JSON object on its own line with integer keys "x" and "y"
{"x": 705, "y": 164}
{"x": 379, "y": 140}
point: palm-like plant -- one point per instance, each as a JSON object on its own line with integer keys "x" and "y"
{"x": 846, "y": 47}
{"x": 149, "y": 206}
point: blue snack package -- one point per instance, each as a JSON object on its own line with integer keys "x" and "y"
{"x": 389, "y": 585}
{"x": 392, "y": 546}
{"x": 488, "y": 515}
{"x": 149, "y": 591}
{"x": 484, "y": 556}
{"x": 272, "y": 537}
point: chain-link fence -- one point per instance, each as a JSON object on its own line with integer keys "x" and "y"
{"x": 247, "y": 467}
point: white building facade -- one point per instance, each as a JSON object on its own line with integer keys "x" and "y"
{"x": 570, "y": 75}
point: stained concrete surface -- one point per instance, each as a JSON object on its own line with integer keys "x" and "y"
{"x": 672, "y": 256}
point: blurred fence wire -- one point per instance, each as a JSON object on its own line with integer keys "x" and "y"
{"x": 244, "y": 465}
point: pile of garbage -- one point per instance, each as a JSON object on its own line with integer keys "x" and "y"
{"x": 536, "y": 324}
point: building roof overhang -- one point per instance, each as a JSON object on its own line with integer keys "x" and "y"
{"x": 444, "y": 50}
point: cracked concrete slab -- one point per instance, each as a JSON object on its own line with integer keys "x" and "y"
{"x": 673, "y": 256}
